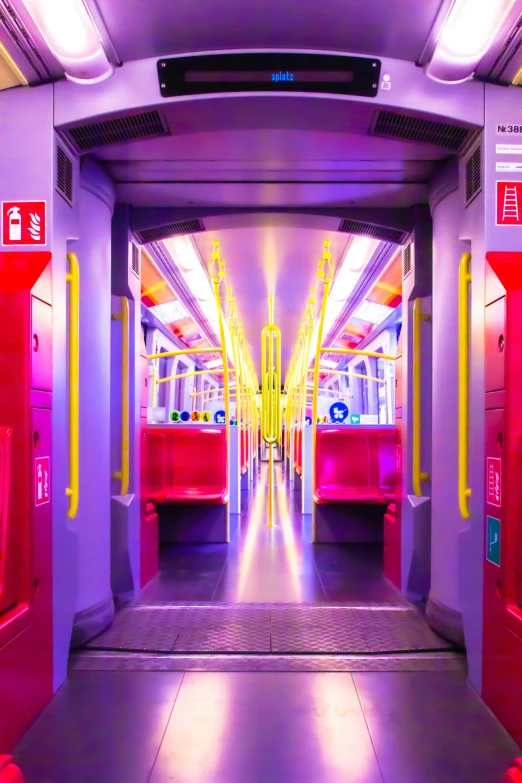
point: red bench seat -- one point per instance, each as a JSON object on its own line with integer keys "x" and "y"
{"x": 354, "y": 465}
{"x": 187, "y": 464}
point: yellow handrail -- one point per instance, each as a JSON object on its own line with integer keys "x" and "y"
{"x": 464, "y": 281}
{"x": 356, "y": 351}
{"x": 271, "y": 396}
{"x": 168, "y": 354}
{"x": 73, "y": 490}
{"x": 189, "y": 375}
{"x": 417, "y": 476}
{"x": 123, "y": 474}
{"x": 327, "y": 282}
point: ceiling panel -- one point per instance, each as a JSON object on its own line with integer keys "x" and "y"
{"x": 271, "y": 258}
{"x": 386, "y": 28}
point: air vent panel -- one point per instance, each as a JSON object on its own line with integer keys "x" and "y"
{"x": 370, "y": 230}
{"x": 145, "y": 125}
{"x": 473, "y": 175}
{"x": 405, "y": 127}
{"x": 135, "y": 259}
{"x": 407, "y": 258}
{"x": 170, "y": 230}
{"x": 64, "y": 175}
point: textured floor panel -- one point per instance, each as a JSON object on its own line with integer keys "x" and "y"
{"x": 114, "y": 661}
{"x": 279, "y": 628}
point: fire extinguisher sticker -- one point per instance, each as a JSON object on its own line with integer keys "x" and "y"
{"x": 42, "y": 481}
{"x": 24, "y": 222}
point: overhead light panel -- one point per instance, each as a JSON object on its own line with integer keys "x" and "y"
{"x": 169, "y": 312}
{"x": 212, "y": 365}
{"x": 328, "y": 364}
{"x": 373, "y": 312}
{"x": 469, "y": 29}
{"x": 69, "y": 31}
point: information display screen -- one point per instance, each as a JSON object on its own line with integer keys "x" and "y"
{"x": 269, "y": 72}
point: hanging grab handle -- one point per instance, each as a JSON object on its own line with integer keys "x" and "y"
{"x": 73, "y": 490}
{"x": 123, "y": 316}
{"x": 418, "y": 316}
{"x": 464, "y": 281}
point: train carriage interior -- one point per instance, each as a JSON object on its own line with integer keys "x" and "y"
{"x": 260, "y": 401}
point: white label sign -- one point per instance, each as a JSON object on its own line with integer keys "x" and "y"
{"x": 508, "y": 166}
{"x": 508, "y": 130}
{"x": 509, "y": 149}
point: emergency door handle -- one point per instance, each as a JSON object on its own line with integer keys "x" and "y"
{"x": 73, "y": 490}
{"x": 464, "y": 282}
{"x": 123, "y": 316}
{"x": 418, "y": 317}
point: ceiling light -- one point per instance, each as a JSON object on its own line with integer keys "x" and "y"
{"x": 468, "y": 31}
{"x": 69, "y": 30}
{"x": 186, "y": 258}
{"x": 329, "y": 364}
{"x": 373, "y": 312}
{"x": 212, "y": 365}
{"x": 169, "y": 312}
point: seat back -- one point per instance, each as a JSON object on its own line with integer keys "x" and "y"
{"x": 5, "y": 477}
{"x": 9, "y": 772}
{"x": 386, "y": 442}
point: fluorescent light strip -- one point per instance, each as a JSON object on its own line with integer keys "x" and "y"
{"x": 186, "y": 258}
{"x": 168, "y": 312}
{"x": 373, "y": 312}
{"x": 70, "y": 33}
{"x": 359, "y": 252}
{"x": 468, "y": 31}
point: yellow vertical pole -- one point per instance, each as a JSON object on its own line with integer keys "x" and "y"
{"x": 327, "y": 280}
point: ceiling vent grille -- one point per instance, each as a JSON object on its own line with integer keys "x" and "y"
{"x": 369, "y": 230}
{"x": 407, "y": 128}
{"x": 64, "y": 175}
{"x": 473, "y": 175}
{"x": 407, "y": 258}
{"x": 170, "y": 230}
{"x": 145, "y": 125}
{"x": 135, "y": 259}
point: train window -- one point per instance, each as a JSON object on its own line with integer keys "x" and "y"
{"x": 363, "y": 389}
{"x": 381, "y": 390}
{"x": 179, "y": 386}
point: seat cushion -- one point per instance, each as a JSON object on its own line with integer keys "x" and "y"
{"x": 348, "y": 495}
{"x": 194, "y": 495}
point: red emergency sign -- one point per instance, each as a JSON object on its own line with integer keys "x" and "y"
{"x": 42, "y": 481}
{"x": 493, "y": 478}
{"x": 509, "y": 204}
{"x": 24, "y": 223}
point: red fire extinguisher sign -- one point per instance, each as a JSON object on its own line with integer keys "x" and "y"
{"x": 24, "y": 223}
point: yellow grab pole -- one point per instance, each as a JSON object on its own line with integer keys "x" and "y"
{"x": 327, "y": 281}
{"x": 464, "y": 281}
{"x": 271, "y": 393}
{"x": 123, "y": 474}
{"x": 73, "y": 490}
{"x": 417, "y": 476}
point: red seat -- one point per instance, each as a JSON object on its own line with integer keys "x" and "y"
{"x": 9, "y": 772}
{"x": 192, "y": 463}
{"x": 514, "y": 773}
{"x": 354, "y": 465}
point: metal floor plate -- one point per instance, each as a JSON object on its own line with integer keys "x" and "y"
{"x": 413, "y": 662}
{"x": 301, "y": 629}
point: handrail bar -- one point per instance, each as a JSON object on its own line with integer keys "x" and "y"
{"x": 189, "y": 375}
{"x": 73, "y": 490}
{"x": 167, "y": 354}
{"x": 358, "y": 352}
{"x": 464, "y": 281}
{"x": 417, "y": 475}
{"x": 123, "y": 474}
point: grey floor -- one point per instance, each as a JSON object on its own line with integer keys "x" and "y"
{"x": 229, "y": 726}
{"x": 135, "y": 727}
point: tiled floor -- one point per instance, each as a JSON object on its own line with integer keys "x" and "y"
{"x": 135, "y": 727}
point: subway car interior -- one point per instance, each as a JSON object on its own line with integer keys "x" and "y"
{"x": 260, "y": 396}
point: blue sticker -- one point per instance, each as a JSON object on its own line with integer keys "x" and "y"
{"x": 338, "y": 412}
{"x": 308, "y": 420}
{"x": 184, "y": 416}
{"x": 220, "y": 417}
{"x": 355, "y": 418}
